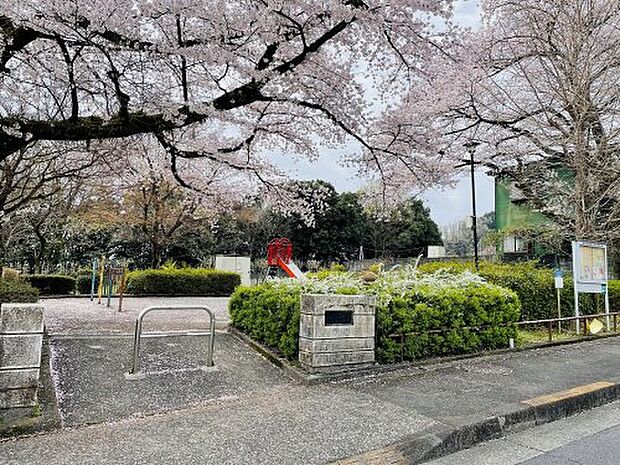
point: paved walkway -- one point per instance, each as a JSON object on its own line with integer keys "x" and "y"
{"x": 92, "y": 385}
{"x": 281, "y": 422}
{"x": 81, "y": 316}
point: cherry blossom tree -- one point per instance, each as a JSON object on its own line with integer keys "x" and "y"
{"x": 35, "y": 230}
{"x": 35, "y": 180}
{"x": 536, "y": 88}
{"x": 35, "y": 174}
{"x": 225, "y": 82}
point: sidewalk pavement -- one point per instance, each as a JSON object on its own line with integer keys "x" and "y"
{"x": 79, "y": 316}
{"x": 392, "y": 415}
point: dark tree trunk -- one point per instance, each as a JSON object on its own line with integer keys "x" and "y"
{"x": 156, "y": 255}
{"x": 39, "y": 256}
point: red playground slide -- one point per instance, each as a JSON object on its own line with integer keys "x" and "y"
{"x": 280, "y": 255}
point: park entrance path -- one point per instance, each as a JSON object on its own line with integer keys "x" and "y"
{"x": 90, "y": 348}
{"x": 92, "y": 387}
{"x": 80, "y": 316}
{"x": 250, "y": 413}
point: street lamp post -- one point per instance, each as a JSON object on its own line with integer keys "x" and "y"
{"x": 471, "y": 148}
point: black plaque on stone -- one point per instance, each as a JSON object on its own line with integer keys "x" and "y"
{"x": 339, "y": 318}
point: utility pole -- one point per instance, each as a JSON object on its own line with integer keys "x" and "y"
{"x": 471, "y": 148}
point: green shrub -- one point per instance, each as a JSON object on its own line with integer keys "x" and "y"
{"x": 17, "y": 291}
{"x": 83, "y": 283}
{"x": 51, "y": 284}
{"x": 269, "y": 313}
{"x": 446, "y": 321}
{"x": 535, "y": 287}
{"x": 185, "y": 281}
{"x": 614, "y": 296}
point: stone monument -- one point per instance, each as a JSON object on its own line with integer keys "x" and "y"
{"x": 21, "y": 340}
{"x": 336, "y": 332}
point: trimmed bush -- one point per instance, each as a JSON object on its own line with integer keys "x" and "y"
{"x": 17, "y": 291}
{"x": 448, "y": 321}
{"x": 83, "y": 283}
{"x": 442, "y": 314}
{"x": 268, "y": 313}
{"x": 535, "y": 287}
{"x": 51, "y": 284}
{"x": 185, "y": 281}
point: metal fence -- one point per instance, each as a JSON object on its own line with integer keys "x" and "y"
{"x": 550, "y": 325}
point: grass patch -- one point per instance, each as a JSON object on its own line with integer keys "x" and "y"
{"x": 36, "y": 411}
{"x": 538, "y": 336}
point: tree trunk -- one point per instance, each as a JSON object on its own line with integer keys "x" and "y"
{"x": 584, "y": 229}
{"x": 156, "y": 254}
{"x": 2, "y": 251}
{"x": 39, "y": 256}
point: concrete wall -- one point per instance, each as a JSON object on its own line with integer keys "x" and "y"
{"x": 21, "y": 339}
{"x": 325, "y": 346}
{"x": 239, "y": 265}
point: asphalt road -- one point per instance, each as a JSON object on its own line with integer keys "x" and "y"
{"x": 599, "y": 449}
{"x": 590, "y": 438}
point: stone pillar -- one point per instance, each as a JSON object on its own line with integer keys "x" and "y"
{"x": 21, "y": 340}
{"x": 336, "y": 332}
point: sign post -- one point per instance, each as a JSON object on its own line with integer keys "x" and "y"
{"x": 590, "y": 273}
{"x": 559, "y": 284}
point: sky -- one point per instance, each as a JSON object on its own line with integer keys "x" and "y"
{"x": 447, "y": 206}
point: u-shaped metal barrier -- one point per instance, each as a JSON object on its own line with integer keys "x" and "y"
{"x": 135, "y": 363}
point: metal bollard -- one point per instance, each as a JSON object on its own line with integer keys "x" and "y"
{"x": 135, "y": 362}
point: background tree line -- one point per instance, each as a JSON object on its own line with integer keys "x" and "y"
{"x": 156, "y": 220}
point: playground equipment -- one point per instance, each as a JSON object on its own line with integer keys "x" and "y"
{"x": 280, "y": 255}
{"x": 109, "y": 278}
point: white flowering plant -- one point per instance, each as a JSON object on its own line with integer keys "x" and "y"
{"x": 450, "y": 313}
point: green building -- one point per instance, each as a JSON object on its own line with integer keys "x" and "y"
{"x": 513, "y": 214}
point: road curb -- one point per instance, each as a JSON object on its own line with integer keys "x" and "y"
{"x": 446, "y": 440}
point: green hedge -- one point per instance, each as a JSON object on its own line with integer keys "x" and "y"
{"x": 535, "y": 287}
{"x": 185, "y": 281}
{"x": 49, "y": 284}
{"x": 83, "y": 284}
{"x": 17, "y": 291}
{"x": 449, "y": 321}
{"x": 614, "y": 296}
{"x": 269, "y": 313}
